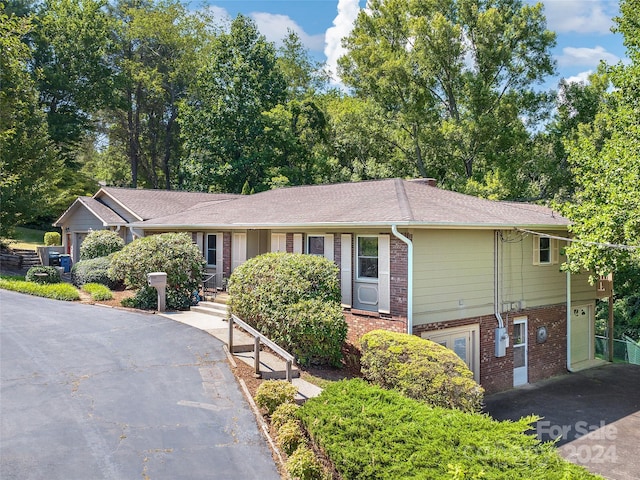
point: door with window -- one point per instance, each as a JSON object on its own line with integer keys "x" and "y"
{"x": 520, "y": 361}
{"x": 366, "y": 273}
{"x": 463, "y": 341}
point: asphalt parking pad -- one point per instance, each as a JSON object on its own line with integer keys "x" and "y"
{"x": 594, "y": 416}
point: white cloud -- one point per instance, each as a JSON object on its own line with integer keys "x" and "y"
{"x": 582, "y": 77}
{"x": 580, "y": 16}
{"x": 583, "y": 56}
{"x": 274, "y": 27}
{"x": 342, "y": 26}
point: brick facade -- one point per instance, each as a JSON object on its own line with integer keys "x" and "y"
{"x": 359, "y": 324}
{"x": 544, "y": 359}
{"x": 226, "y": 254}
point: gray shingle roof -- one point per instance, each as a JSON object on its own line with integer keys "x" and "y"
{"x": 372, "y": 202}
{"x": 148, "y": 204}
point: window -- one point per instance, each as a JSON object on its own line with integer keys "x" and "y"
{"x": 211, "y": 249}
{"x": 315, "y": 245}
{"x": 368, "y": 257}
{"x": 545, "y": 250}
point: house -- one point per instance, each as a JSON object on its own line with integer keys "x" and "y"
{"x": 479, "y": 276}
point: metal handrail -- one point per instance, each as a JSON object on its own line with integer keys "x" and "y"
{"x": 258, "y": 337}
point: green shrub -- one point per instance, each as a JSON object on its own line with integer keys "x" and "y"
{"x": 52, "y": 239}
{"x": 303, "y": 465}
{"x": 57, "y": 291}
{"x": 419, "y": 369}
{"x": 94, "y": 270}
{"x": 43, "y": 275}
{"x": 285, "y": 412}
{"x": 173, "y": 253}
{"x": 371, "y": 433}
{"x": 294, "y": 300}
{"x": 273, "y": 393}
{"x": 290, "y": 436}
{"x": 97, "y": 291}
{"x": 100, "y": 243}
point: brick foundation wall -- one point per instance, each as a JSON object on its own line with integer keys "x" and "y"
{"x": 361, "y": 324}
{"x": 226, "y": 254}
{"x": 544, "y": 359}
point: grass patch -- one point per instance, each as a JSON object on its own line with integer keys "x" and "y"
{"x": 56, "y": 291}
{"x": 27, "y": 238}
{"x": 98, "y": 291}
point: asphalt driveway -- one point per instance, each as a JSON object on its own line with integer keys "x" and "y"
{"x": 90, "y": 392}
{"x": 593, "y": 414}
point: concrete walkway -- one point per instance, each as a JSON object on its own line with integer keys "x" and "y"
{"x": 271, "y": 366}
{"x": 594, "y": 415}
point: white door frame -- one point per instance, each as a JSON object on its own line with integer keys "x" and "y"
{"x": 520, "y": 374}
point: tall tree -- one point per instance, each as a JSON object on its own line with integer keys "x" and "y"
{"x": 224, "y": 120}
{"x": 606, "y": 167}
{"x": 454, "y": 76}
{"x": 26, "y": 153}
{"x": 157, "y": 44}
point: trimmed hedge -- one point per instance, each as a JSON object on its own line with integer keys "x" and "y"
{"x": 173, "y": 253}
{"x": 43, "y": 275}
{"x": 273, "y": 393}
{"x": 371, "y": 433}
{"x": 94, "y": 270}
{"x": 420, "y": 369}
{"x": 294, "y": 300}
{"x": 100, "y": 243}
{"x": 52, "y": 239}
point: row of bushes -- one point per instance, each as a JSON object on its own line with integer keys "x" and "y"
{"x": 276, "y": 397}
{"x": 57, "y": 291}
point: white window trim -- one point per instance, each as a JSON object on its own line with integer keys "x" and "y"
{"x": 324, "y": 246}
{"x": 554, "y": 251}
{"x": 357, "y": 263}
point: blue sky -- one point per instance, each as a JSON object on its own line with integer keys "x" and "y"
{"x": 583, "y": 28}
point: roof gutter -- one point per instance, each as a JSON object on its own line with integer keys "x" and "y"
{"x": 397, "y": 234}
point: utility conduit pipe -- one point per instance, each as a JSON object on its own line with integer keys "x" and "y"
{"x": 397, "y": 234}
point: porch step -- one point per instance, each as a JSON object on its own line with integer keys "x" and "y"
{"x": 211, "y": 308}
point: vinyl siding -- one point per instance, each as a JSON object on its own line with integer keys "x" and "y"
{"x": 453, "y": 275}
{"x": 83, "y": 220}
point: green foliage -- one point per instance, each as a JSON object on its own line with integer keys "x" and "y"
{"x": 223, "y": 121}
{"x": 290, "y": 436}
{"x": 420, "y": 369}
{"x": 273, "y": 393}
{"x": 52, "y": 239}
{"x": 95, "y": 270}
{"x": 26, "y": 151}
{"x": 294, "y": 300}
{"x": 39, "y": 274}
{"x": 100, "y": 243}
{"x": 172, "y": 253}
{"x": 370, "y": 433}
{"x": 56, "y": 291}
{"x": 97, "y": 291}
{"x": 303, "y": 465}
{"x": 285, "y": 412}
{"x": 450, "y": 121}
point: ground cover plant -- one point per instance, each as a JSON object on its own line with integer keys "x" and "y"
{"x": 371, "y": 433}
{"x": 419, "y": 369}
{"x": 294, "y": 300}
{"x": 57, "y": 291}
{"x": 97, "y": 291}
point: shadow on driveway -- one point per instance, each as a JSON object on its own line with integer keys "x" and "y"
{"x": 594, "y": 415}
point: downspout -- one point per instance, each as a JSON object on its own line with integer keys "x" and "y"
{"x": 496, "y": 280}
{"x": 397, "y": 234}
{"x": 569, "y": 321}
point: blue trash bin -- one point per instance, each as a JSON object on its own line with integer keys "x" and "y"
{"x": 65, "y": 262}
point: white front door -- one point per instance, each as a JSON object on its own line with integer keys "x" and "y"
{"x": 520, "y": 363}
